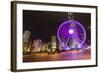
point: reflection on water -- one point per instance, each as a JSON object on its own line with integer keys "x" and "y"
{"x": 65, "y": 55}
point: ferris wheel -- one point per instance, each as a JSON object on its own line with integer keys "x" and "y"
{"x": 71, "y": 34}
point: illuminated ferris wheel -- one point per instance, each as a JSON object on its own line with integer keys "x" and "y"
{"x": 71, "y": 34}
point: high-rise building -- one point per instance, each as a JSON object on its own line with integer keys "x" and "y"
{"x": 53, "y": 43}
{"x": 26, "y": 42}
{"x": 26, "y": 47}
{"x": 26, "y": 36}
{"x": 37, "y": 45}
{"x": 45, "y": 47}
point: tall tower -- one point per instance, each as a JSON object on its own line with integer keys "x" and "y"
{"x": 26, "y": 43}
{"x": 53, "y": 43}
{"x": 70, "y": 16}
{"x": 26, "y": 36}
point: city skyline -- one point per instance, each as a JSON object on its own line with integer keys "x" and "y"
{"x": 44, "y": 29}
{"x": 43, "y": 24}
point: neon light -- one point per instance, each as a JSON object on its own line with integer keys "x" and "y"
{"x": 71, "y": 31}
{"x": 75, "y": 29}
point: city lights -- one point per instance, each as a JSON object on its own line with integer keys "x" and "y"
{"x": 57, "y": 36}
{"x": 71, "y": 31}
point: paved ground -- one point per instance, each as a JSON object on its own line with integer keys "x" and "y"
{"x": 67, "y": 55}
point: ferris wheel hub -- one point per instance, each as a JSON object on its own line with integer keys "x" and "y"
{"x": 77, "y": 32}
{"x": 71, "y": 31}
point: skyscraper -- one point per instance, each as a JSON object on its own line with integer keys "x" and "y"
{"x": 53, "y": 43}
{"x": 26, "y": 36}
{"x": 26, "y": 43}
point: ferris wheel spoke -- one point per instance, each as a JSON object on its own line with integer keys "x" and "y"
{"x": 64, "y": 35}
{"x": 67, "y": 40}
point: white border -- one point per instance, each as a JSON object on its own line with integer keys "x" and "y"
{"x": 34, "y": 65}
